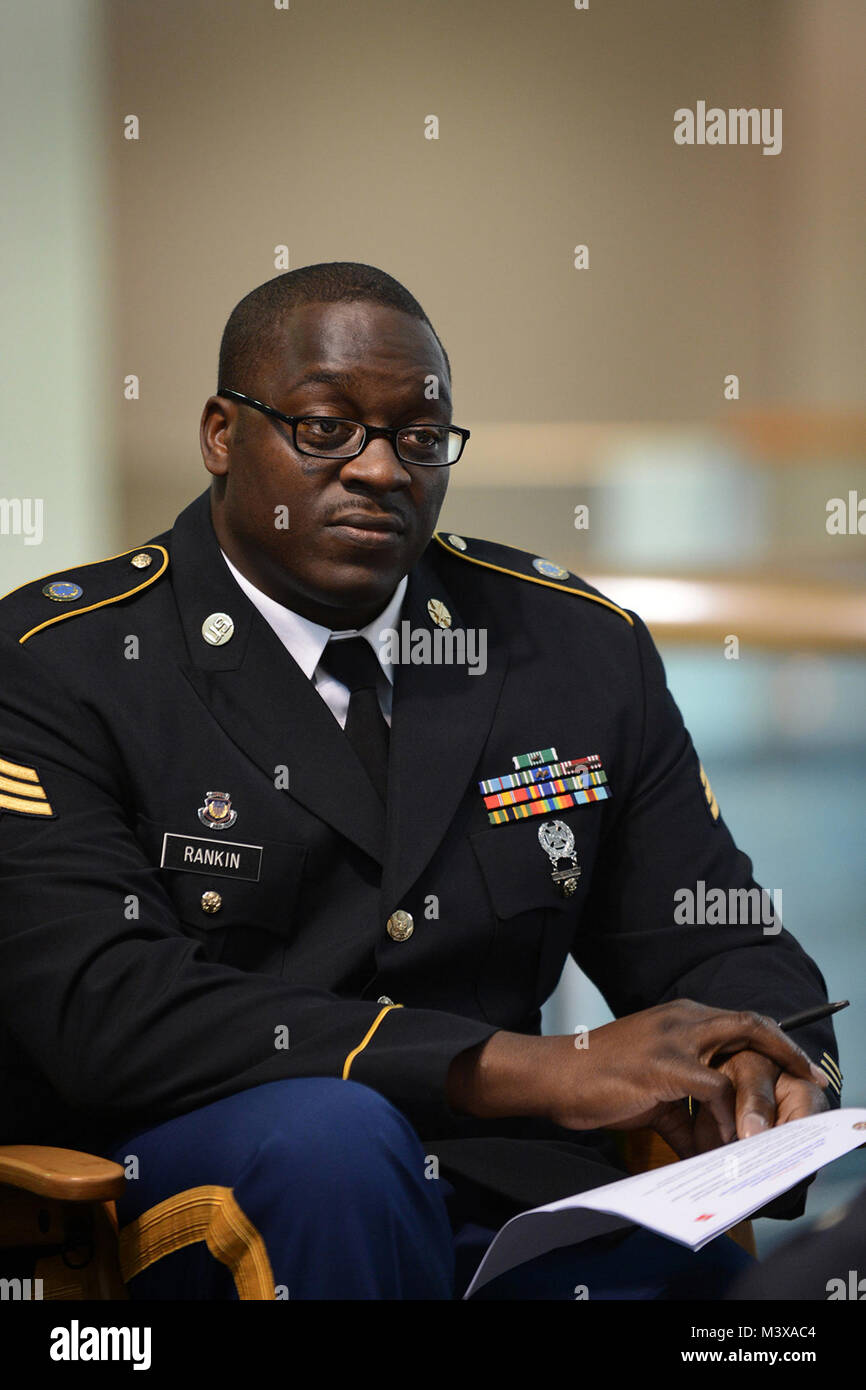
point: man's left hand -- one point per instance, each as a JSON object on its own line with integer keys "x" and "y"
{"x": 766, "y": 1097}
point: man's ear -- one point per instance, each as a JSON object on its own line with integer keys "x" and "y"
{"x": 217, "y": 420}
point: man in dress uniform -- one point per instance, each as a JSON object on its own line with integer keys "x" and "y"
{"x": 302, "y": 809}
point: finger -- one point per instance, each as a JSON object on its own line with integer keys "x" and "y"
{"x": 755, "y": 1080}
{"x": 714, "y": 1089}
{"x": 795, "y": 1100}
{"x": 707, "y": 1133}
{"x": 734, "y": 1032}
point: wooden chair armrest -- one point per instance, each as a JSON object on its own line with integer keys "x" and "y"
{"x": 66, "y": 1174}
{"x": 643, "y": 1149}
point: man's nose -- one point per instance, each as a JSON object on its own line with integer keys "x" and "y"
{"x": 378, "y": 465}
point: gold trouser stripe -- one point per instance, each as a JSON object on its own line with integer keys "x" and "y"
{"x": 548, "y": 583}
{"x": 206, "y": 1213}
{"x": 347, "y": 1065}
{"x": 18, "y": 803}
{"x": 25, "y": 774}
{"x": 11, "y": 784}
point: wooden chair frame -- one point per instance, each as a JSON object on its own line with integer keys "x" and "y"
{"x": 62, "y": 1202}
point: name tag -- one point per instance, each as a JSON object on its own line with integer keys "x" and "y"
{"x": 200, "y": 856}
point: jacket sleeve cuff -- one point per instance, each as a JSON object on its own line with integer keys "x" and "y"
{"x": 406, "y": 1054}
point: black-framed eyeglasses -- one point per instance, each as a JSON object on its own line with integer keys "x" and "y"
{"x": 326, "y": 436}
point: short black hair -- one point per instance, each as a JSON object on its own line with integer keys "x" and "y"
{"x": 256, "y": 326}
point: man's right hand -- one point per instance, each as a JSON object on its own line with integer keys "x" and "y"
{"x": 634, "y": 1072}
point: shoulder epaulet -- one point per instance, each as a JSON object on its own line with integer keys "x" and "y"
{"x": 41, "y": 603}
{"x": 534, "y": 569}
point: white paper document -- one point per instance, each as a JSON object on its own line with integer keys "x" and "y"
{"x": 691, "y": 1201}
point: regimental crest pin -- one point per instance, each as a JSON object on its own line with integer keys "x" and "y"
{"x": 557, "y": 841}
{"x": 217, "y": 813}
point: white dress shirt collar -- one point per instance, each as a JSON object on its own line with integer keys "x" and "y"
{"x": 306, "y": 640}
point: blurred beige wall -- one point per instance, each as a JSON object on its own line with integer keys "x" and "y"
{"x": 305, "y": 127}
{"x": 59, "y": 485}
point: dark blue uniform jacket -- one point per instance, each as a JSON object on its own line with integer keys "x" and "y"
{"x": 124, "y": 1001}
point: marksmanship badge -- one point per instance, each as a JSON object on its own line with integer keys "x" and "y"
{"x": 557, "y": 841}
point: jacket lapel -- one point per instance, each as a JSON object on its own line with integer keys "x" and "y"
{"x": 442, "y": 716}
{"x": 260, "y": 696}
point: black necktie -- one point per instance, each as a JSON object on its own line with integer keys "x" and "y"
{"x": 353, "y": 662}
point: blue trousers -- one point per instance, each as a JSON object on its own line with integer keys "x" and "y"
{"x": 323, "y": 1187}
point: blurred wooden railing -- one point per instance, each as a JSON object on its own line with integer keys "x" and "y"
{"x": 774, "y": 613}
{"x": 565, "y": 452}
{"x": 784, "y": 436}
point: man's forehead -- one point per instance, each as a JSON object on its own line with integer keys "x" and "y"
{"x": 348, "y": 330}
{"x": 293, "y": 376}
{"x": 342, "y": 344}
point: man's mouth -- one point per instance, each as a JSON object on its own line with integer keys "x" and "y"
{"x": 368, "y": 528}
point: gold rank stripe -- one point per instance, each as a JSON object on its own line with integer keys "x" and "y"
{"x": 25, "y": 808}
{"x": 24, "y": 774}
{"x": 828, "y": 1064}
{"x": 21, "y": 791}
{"x": 708, "y": 793}
{"x": 8, "y": 784}
{"x": 830, "y": 1077}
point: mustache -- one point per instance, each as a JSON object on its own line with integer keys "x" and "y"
{"x": 395, "y": 519}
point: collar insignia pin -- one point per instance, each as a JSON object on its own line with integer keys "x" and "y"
{"x": 217, "y": 629}
{"x": 438, "y": 612}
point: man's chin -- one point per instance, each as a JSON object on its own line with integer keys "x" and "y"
{"x": 363, "y": 587}
{"x": 361, "y": 562}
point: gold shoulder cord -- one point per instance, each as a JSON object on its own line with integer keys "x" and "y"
{"x": 531, "y": 579}
{"x": 115, "y": 598}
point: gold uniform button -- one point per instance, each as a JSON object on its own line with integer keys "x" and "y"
{"x": 400, "y": 925}
{"x": 211, "y": 901}
{"x": 142, "y": 560}
{"x": 383, "y": 999}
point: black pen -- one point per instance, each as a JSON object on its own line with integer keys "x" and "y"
{"x": 812, "y": 1015}
{"x": 797, "y": 1021}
